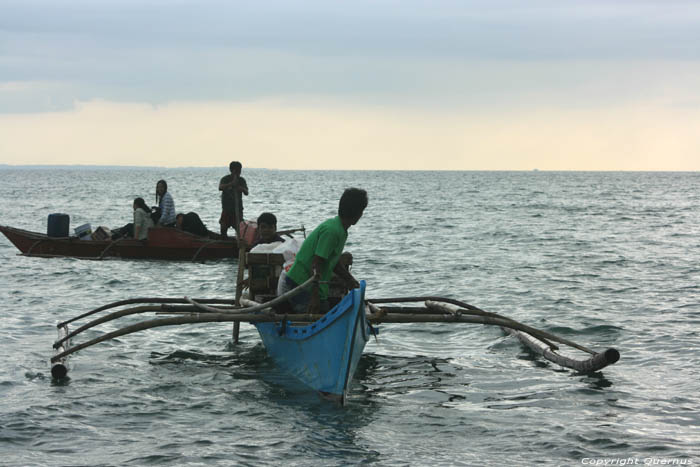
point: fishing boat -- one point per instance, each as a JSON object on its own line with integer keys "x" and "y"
{"x": 321, "y": 351}
{"x": 162, "y": 243}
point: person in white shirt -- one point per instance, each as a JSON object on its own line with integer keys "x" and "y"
{"x": 142, "y": 219}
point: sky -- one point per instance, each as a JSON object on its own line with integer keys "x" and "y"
{"x": 380, "y": 85}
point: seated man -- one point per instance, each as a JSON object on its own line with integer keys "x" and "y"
{"x": 191, "y": 223}
{"x": 267, "y": 229}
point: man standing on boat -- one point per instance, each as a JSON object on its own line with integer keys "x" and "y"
{"x": 319, "y": 255}
{"x": 232, "y": 188}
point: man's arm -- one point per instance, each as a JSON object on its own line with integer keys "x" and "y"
{"x": 223, "y": 186}
{"x": 344, "y": 274}
{"x": 315, "y": 302}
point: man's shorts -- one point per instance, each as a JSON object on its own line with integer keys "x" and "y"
{"x": 228, "y": 219}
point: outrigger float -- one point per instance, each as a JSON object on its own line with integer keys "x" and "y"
{"x": 322, "y": 351}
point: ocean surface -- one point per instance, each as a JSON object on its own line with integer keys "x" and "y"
{"x": 603, "y": 259}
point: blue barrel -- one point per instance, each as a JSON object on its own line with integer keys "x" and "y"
{"x": 59, "y": 225}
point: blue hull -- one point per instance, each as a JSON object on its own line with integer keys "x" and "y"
{"x": 323, "y": 355}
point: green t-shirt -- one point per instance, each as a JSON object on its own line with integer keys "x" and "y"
{"x": 326, "y": 241}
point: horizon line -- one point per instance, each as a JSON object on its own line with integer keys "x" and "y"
{"x": 111, "y": 166}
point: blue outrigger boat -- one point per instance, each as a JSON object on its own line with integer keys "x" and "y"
{"x": 321, "y": 351}
{"x": 324, "y": 354}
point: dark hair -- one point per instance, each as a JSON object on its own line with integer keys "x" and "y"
{"x": 141, "y": 204}
{"x": 352, "y": 203}
{"x": 165, "y": 185}
{"x": 267, "y": 218}
{"x": 235, "y": 165}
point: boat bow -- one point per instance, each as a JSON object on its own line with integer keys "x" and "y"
{"x": 324, "y": 354}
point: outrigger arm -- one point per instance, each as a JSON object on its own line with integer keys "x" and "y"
{"x": 435, "y": 310}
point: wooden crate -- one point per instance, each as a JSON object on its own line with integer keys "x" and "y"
{"x": 263, "y": 272}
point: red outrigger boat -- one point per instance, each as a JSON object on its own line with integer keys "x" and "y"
{"x": 162, "y": 243}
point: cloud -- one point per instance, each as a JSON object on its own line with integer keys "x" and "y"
{"x": 415, "y": 51}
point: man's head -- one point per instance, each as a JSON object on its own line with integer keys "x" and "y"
{"x": 179, "y": 219}
{"x": 267, "y": 226}
{"x": 352, "y": 205}
{"x": 235, "y": 167}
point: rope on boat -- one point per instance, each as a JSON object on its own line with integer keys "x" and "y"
{"x": 109, "y": 247}
{"x": 260, "y": 306}
{"x": 204, "y": 245}
{"x": 29, "y": 251}
{"x": 208, "y": 242}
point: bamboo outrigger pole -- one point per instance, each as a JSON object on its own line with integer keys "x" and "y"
{"x": 435, "y": 310}
{"x": 239, "y": 286}
{"x": 196, "y": 313}
{"x": 241, "y": 257}
{"x": 535, "y": 339}
{"x": 597, "y": 362}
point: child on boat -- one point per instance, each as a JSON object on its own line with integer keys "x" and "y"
{"x": 267, "y": 229}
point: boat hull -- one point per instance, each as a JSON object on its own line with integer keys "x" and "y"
{"x": 162, "y": 243}
{"x": 322, "y": 355}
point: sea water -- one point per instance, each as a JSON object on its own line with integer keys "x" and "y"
{"x": 603, "y": 259}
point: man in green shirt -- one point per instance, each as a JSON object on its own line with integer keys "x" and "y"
{"x": 319, "y": 255}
